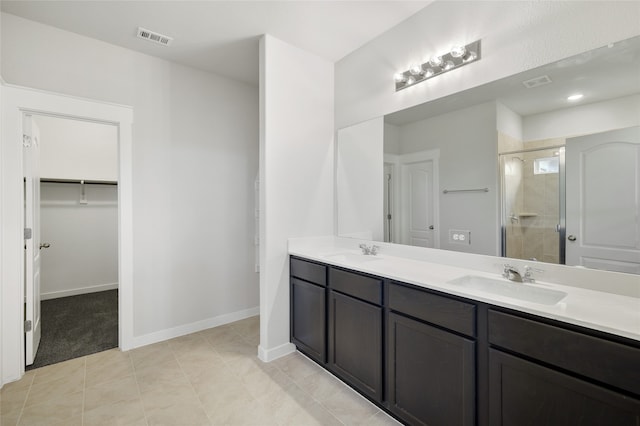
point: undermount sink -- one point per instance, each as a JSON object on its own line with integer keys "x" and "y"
{"x": 524, "y": 292}
{"x": 351, "y": 257}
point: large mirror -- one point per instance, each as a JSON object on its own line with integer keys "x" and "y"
{"x": 522, "y": 167}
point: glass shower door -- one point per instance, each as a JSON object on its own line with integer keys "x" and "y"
{"x": 531, "y": 207}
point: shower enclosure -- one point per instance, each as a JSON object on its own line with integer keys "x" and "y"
{"x": 532, "y": 203}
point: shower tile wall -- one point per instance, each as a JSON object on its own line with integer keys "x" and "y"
{"x": 541, "y": 210}
{"x": 508, "y": 143}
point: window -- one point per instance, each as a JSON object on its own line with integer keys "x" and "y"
{"x": 542, "y": 166}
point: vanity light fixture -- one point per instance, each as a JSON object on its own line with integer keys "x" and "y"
{"x": 438, "y": 64}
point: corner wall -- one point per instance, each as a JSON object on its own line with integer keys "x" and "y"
{"x": 296, "y": 173}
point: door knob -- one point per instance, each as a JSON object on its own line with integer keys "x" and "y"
{"x": 430, "y": 226}
{"x": 571, "y": 238}
{"x": 44, "y": 245}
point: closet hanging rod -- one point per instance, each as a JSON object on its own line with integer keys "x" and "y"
{"x": 447, "y": 191}
{"x": 79, "y": 181}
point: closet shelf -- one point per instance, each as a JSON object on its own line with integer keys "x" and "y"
{"x": 79, "y": 181}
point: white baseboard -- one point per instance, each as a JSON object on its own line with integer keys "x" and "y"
{"x": 76, "y": 291}
{"x": 268, "y": 355}
{"x": 170, "y": 333}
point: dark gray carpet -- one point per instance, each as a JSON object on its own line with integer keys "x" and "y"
{"x": 76, "y": 326}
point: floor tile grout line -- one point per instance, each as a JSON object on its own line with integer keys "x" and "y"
{"x": 84, "y": 392}
{"x": 135, "y": 377}
{"x": 191, "y": 384}
{"x": 235, "y": 358}
{"x": 26, "y": 398}
{"x": 333, "y": 377}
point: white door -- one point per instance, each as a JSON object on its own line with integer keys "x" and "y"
{"x": 417, "y": 204}
{"x": 31, "y": 146}
{"x": 603, "y": 200}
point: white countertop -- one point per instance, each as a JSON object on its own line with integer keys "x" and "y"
{"x": 605, "y": 311}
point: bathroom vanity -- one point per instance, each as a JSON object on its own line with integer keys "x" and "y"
{"x": 408, "y": 335}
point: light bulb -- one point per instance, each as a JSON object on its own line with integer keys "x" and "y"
{"x": 575, "y": 97}
{"x": 415, "y": 69}
{"x": 410, "y": 81}
{"x": 449, "y": 65}
{"x": 436, "y": 61}
{"x": 472, "y": 56}
{"x": 458, "y": 51}
{"x": 399, "y": 77}
{"x": 429, "y": 72}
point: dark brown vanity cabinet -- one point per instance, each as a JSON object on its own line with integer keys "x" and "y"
{"x": 429, "y": 358}
{"x": 355, "y": 331}
{"x": 308, "y": 308}
{"x": 544, "y": 374}
{"x": 431, "y": 362}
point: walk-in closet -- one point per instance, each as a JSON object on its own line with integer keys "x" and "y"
{"x": 78, "y": 231}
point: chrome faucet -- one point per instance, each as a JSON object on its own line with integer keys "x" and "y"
{"x": 511, "y": 273}
{"x": 369, "y": 250}
{"x": 528, "y": 274}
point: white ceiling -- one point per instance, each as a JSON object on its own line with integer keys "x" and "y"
{"x": 222, "y": 36}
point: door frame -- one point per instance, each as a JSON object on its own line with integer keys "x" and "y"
{"x": 393, "y": 161}
{"x": 15, "y": 101}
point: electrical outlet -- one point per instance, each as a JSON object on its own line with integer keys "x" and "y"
{"x": 457, "y": 236}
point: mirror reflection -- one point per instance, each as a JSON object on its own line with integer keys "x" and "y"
{"x": 543, "y": 165}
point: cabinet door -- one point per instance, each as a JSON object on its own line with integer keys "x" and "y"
{"x": 355, "y": 343}
{"x": 524, "y": 393}
{"x": 431, "y": 374}
{"x": 308, "y": 313}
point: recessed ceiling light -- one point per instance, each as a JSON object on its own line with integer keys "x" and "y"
{"x": 575, "y": 97}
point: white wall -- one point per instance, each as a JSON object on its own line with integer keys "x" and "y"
{"x": 391, "y": 139}
{"x": 467, "y": 141}
{"x": 516, "y": 36}
{"x": 75, "y": 149}
{"x": 195, "y": 155}
{"x": 359, "y": 172}
{"x": 83, "y": 256}
{"x": 296, "y": 173}
{"x": 508, "y": 122}
{"x": 583, "y": 119}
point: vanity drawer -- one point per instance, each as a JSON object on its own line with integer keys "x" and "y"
{"x": 363, "y": 287}
{"x": 606, "y": 361}
{"x": 308, "y": 271}
{"x": 439, "y": 310}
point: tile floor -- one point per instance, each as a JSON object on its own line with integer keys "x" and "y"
{"x": 212, "y": 377}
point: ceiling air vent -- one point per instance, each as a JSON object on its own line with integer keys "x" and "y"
{"x": 538, "y": 81}
{"x": 154, "y": 37}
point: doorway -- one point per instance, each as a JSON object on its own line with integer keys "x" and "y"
{"x": 16, "y": 102}
{"x": 75, "y": 238}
